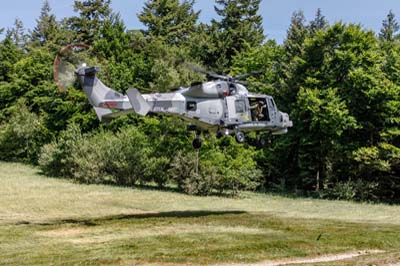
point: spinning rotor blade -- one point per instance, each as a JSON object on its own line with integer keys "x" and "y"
{"x": 242, "y": 82}
{"x": 242, "y": 76}
{"x": 214, "y": 76}
{"x": 70, "y": 58}
{"x": 209, "y": 74}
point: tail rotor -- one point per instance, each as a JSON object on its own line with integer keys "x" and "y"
{"x": 69, "y": 59}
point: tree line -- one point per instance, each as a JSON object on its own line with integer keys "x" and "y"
{"x": 338, "y": 82}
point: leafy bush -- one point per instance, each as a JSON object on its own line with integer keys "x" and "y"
{"x": 56, "y": 157}
{"x": 22, "y": 137}
{"x": 125, "y": 154}
{"x": 358, "y": 190}
{"x": 183, "y": 167}
{"x": 98, "y": 158}
{"x": 223, "y": 166}
{"x": 234, "y": 164}
{"x": 156, "y": 170}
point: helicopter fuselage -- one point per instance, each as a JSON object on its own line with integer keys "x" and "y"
{"x": 216, "y": 106}
{"x": 222, "y": 112}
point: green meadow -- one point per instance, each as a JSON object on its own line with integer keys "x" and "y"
{"x": 46, "y": 221}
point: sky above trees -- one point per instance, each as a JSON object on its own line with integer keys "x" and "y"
{"x": 276, "y": 13}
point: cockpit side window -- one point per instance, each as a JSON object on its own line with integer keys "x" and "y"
{"x": 272, "y": 103}
{"x": 240, "y": 106}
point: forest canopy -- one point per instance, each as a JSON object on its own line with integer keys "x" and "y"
{"x": 340, "y": 84}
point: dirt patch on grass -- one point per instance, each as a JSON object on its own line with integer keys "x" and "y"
{"x": 320, "y": 259}
{"x": 101, "y": 235}
{"x": 167, "y": 230}
{"x": 64, "y": 232}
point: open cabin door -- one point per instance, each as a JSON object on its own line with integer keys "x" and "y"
{"x": 236, "y": 109}
{"x": 230, "y": 108}
{"x": 259, "y": 108}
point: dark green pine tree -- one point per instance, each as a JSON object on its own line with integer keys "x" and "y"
{"x": 114, "y": 41}
{"x": 92, "y": 14}
{"x": 18, "y": 34}
{"x": 389, "y": 37}
{"x": 296, "y": 35}
{"x": 390, "y": 28}
{"x": 319, "y": 22}
{"x": 9, "y": 55}
{"x": 169, "y": 20}
{"x": 47, "y": 28}
{"x": 239, "y": 27}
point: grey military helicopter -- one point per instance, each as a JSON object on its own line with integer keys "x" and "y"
{"x": 222, "y": 105}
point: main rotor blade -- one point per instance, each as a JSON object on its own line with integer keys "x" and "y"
{"x": 242, "y": 76}
{"x": 201, "y": 70}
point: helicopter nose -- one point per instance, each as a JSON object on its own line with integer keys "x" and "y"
{"x": 286, "y": 122}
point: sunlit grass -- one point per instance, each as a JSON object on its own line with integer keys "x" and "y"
{"x": 47, "y": 221}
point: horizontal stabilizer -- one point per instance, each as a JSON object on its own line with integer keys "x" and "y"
{"x": 106, "y": 115}
{"x": 102, "y": 112}
{"x": 137, "y": 101}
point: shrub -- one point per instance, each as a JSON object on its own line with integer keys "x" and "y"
{"x": 125, "y": 155}
{"x": 183, "y": 167}
{"x": 103, "y": 157}
{"x": 357, "y": 190}
{"x": 222, "y": 167}
{"x": 156, "y": 170}
{"x": 22, "y": 137}
{"x": 56, "y": 157}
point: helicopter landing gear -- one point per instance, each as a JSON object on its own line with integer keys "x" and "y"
{"x": 239, "y": 136}
{"x": 197, "y": 143}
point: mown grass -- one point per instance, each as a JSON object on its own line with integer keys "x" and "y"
{"x": 46, "y": 221}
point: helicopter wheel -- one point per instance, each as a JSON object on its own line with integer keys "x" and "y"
{"x": 239, "y": 136}
{"x": 197, "y": 143}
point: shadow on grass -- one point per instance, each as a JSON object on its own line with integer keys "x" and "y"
{"x": 151, "y": 215}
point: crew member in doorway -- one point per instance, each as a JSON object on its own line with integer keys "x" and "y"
{"x": 258, "y": 111}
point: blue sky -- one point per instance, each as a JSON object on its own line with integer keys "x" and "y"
{"x": 276, "y": 13}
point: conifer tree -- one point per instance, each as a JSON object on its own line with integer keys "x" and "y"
{"x": 17, "y": 34}
{"x": 46, "y": 28}
{"x": 319, "y": 22}
{"x": 390, "y": 28}
{"x": 92, "y": 14}
{"x": 296, "y": 35}
{"x": 240, "y": 26}
{"x": 9, "y": 55}
{"x": 389, "y": 36}
{"x": 170, "y": 20}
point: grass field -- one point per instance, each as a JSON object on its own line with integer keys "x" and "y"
{"x": 45, "y": 221}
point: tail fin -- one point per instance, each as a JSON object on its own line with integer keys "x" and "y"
{"x": 99, "y": 95}
{"x": 137, "y": 101}
{"x": 109, "y": 103}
